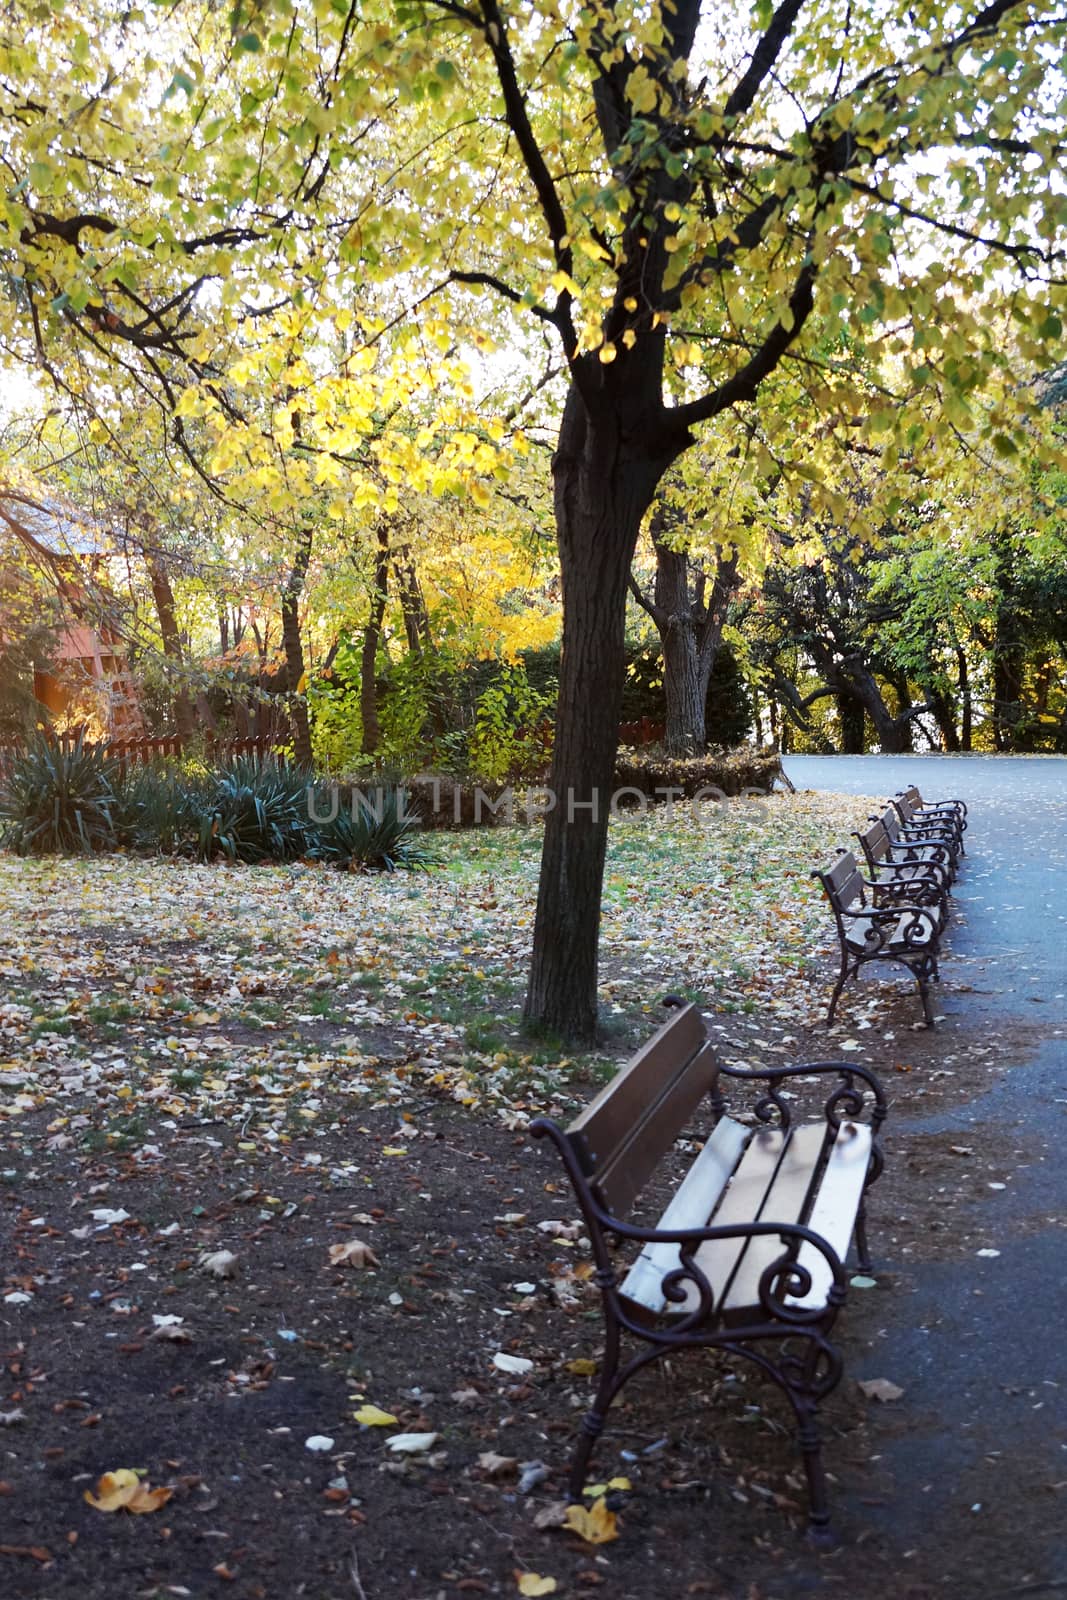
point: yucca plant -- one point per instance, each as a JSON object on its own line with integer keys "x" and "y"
{"x": 255, "y": 812}
{"x": 58, "y": 801}
{"x": 380, "y": 836}
{"x": 160, "y": 808}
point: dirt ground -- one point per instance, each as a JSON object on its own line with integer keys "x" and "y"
{"x": 245, "y": 1407}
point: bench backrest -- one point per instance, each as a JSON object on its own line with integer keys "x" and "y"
{"x": 842, "y": 882}
{"x": 874, "y": 841}
{"x": 890, "y": 820}
{"x": 908, "y": 802}
{"x": 623, "y": 1133}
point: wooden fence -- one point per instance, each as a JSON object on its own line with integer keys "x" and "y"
{"x": 142, "y": 752}
{"x": 644, "y": 732}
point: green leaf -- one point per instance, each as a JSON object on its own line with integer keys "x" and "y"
{"x": 248, "y": 43}
{"x": 181, "y": 80}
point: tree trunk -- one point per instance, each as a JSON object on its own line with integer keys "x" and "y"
{"x": 944, "y": 712}
{"x": 685, "y": 688}
{"x": 851, "y": 715}
{"x": 368, "y": 683}
{"x": 603, "y": 486}
{"x": 690, "y": 634}
{"x": 163, "y": 595}
{"x": 294, "y": 649}
{"x": 963, "y": 678}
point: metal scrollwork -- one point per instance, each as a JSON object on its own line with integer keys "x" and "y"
{"x": 677, "y": 1285}
{"x": 772, "y": 1107}
{"x": 784, "y": 1279}
{"x": 846, "y": 1102}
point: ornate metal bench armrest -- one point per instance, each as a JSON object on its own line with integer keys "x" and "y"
{"x": 782, "y": 1279}
{"x": 905, "y": 855}
{"x": 920, "y": 929}
{"x": 957, "y": 806}
{"x": 920, "y": 886}
{"x": 846, "y": 1101}
{"x": 918, "y": 833}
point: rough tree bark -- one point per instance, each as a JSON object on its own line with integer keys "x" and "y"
{"x": 690, "y": 624}
{"x": 166, "y": 612}
{"x": 853, "y": 720}
{"x": 368, "y": 661}
{"x": 293, "y": 646}
{"x": 604, "y": 478}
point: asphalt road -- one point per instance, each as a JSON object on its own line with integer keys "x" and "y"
{"x": 980, "y": 1343}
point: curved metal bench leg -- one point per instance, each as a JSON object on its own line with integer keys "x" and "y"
{"x": 592, "y": 1428}
{"x": 838, "y": 986}
{"x": 597, "y": 1415}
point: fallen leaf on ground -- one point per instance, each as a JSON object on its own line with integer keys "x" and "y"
{"x": 515, "y": 1364}
{"x": 598, "y": 1525}
{"x": 411, "y": 1444}
{"x": 36, "y": 1551}
{"x": 219, "y": 1263}
{"x": 123, "y": 1490}
{"x": 353, "y": 1254}
{"x": 554, "y": 1515}
{"x": 531, "y": 1583}
{"x": 880, "y": 1389}
{"x": 374, "y": 1417}
{"x": 171, "y": 1333}
{"x": 496, "y": 1465}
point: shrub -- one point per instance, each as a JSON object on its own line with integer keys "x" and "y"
{"x": 254, "y": 812}
{"x": 57, "y": 800}
{"x": 732, "y": 772}
{"x": 512, "y": 731}
{"x": 159, "y": 809}
{"x": 376, "y": 835}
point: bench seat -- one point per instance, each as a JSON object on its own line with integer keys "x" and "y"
{"x": 745, "y": 1175}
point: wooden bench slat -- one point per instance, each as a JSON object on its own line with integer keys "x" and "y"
{"x": 784, "y": 1201}
{"x": 833, "y": 1215}
{"x": 630, "y": 1165}
{"x": 742, "y": 1202}
{"x": 691, "y": 1207}
{"x": 609, "y": 1118}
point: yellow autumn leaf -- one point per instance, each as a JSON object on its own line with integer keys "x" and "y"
{"x": 122, "y": 1490}
{"x": 594, "y": 1490}
{"x": 531, "y": 1583}
{"x": 374, "y": 1417}
{"x": 582, "y": 1367}
{"x": 598, "y": 1525}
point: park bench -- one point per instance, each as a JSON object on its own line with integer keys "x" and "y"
{"x": 908, "y": 934}
{"x": 921, "y": 873}
{"x": 934, "y": 844}
{"x": 948, "y": 815}
{"x": 748, "y": 1255}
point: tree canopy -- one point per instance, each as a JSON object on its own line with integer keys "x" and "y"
{"x": 300, "y": 241}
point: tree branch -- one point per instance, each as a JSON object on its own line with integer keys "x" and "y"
{"x": 764, "y": 57}
{"x": 744, "y": 383}
{"x": 658, "y": 615}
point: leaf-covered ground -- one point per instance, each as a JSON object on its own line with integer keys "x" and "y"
{"x": 140, "y": 991}
{"x": 274, "y": 1238}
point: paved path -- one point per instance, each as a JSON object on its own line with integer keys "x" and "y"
{"x": 981, "y": 1343}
